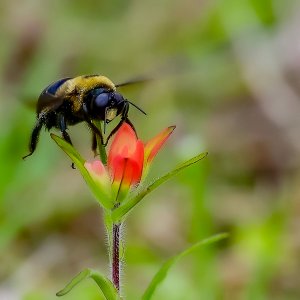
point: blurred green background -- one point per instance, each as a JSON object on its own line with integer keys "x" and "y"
{"x": 228, "y": 75}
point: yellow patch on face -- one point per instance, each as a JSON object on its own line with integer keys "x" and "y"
{"x": 111, "y": 113}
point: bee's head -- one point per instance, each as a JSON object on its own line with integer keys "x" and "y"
{"x": 104, "y": 104}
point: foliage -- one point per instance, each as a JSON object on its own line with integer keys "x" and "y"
{"x": 227, "y": 71}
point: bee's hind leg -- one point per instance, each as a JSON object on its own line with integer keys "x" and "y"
{"x": 35, "y": 136}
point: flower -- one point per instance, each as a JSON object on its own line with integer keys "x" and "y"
{"x": 128, "y": 162}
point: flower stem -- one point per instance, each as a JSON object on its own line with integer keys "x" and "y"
{"x": 116, "y": 256}
{"x": 100, "y": 141}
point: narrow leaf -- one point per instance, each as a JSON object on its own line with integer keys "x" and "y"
{"x": 100, "y": 195}
{"x": 106, "y": 286}
{"x": 163, "y": 271}
{"x": 122, "y": 210}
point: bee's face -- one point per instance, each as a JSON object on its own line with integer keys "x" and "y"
{"x": 104, "y": 104}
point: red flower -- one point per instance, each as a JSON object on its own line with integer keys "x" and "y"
{"x": 128, "y": 161}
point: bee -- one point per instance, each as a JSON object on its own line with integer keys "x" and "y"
{"x": 86, "y": 98}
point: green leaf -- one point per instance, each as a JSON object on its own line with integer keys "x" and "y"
{"x": 126, "y": 207}
{"x": 96, "y": 189}
{"x": 106, "y": 286}
{"x": 163, "y": 271}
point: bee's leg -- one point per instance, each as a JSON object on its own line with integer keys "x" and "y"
{"x": 94, "y": 128}
{"x": 35, "y": 135}
{"x": 94, "y": 143}
{"x": 117, "y": 128}
{"x": 96, "y": 132}
{"x": 66, "y": 137}
{"x": 124, "y": 119}
{"x": 130, "y": 124}
{"x": 63, "y": 128}
{"x": 113, "y": 132}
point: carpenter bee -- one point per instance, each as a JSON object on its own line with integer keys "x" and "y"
{"x": 69, "y": 101}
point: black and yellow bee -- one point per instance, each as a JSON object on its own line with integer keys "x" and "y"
{"x": 69, "y": 101}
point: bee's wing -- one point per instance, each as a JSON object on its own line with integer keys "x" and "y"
{"x": 174, "y": 66}
{"x": 48, "y": 102}
{"x": 136, "y": 80}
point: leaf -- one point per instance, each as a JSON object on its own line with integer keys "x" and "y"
{"x": 106, "y": 286}
{"x": 96, "y": 189}
{"x": 126, "y": 207}
{"x": 163, "y": 271}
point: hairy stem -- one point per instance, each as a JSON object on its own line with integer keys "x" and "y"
{"x": 116, "y": 256}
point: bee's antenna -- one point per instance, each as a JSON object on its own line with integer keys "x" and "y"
{"x": 136, "y": 107}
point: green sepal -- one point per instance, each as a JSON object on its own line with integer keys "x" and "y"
{"x": 106, "y": 286}
{"x": 99, "y": 193}
{"x": 119, "y": 213}
{"x": 164, "y": 269}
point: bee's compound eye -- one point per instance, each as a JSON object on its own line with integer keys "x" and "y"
{"x": 118, "y": 98}
{"x": 101, "y": 100}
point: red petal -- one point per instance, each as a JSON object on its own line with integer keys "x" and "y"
{"x": 125, "y": 161}
{"x": 124, "y": 143}
{"x": 96, "y": 167}
{"x": 128, "y": 169}
{"x": 98, "y": 173}
{"x": 154, "y": 145}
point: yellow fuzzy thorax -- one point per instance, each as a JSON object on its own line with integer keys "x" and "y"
{"x": 78, "y": 86}
{"x": 81, "y": 84}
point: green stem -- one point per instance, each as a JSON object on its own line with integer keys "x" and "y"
{"x": 113, "y": 229}
{"x": 101, "y": 147}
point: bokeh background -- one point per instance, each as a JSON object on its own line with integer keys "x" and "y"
{"x": 227, "y": 73}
